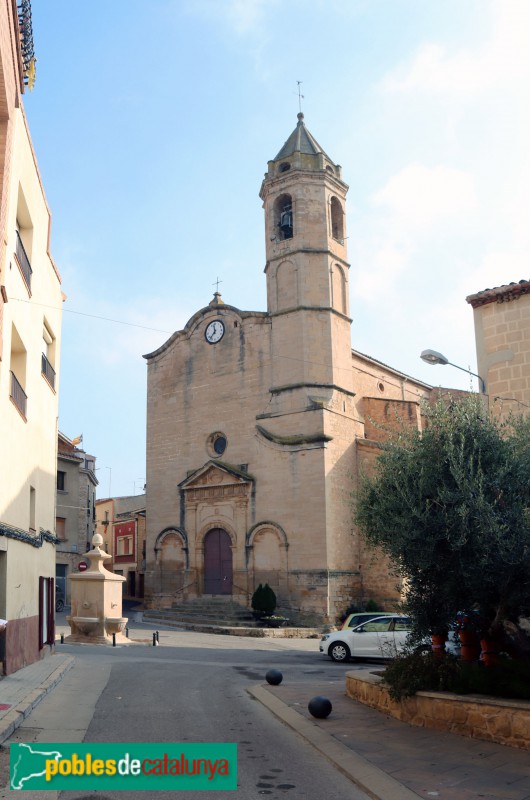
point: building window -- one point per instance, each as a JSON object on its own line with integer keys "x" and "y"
{"x": 337, "y": 220}
{"x": 61, "y": 481}
{"x": 46, "y": 612}
{"x": 23, "y": 261}
{"x": 217, "y": 444}
{"x": 283, "y": 217}
{"x": 124, "y": 545}
{"x": 18, "y": 372}
{"x": 32, "y": 507}
{"x": 60, "y": 528}
{"x": 24, "y": 239}
{"x": 48, "y": 355}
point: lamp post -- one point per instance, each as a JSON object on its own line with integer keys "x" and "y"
{"x": 433, "y": 357}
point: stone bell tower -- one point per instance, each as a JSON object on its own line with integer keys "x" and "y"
{"x": 304, "y": 199}
{"x": 310, "y": 416}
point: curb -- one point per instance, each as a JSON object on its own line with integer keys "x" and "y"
{"x": 11, "y": 721}
{"x": 376, "y": 783}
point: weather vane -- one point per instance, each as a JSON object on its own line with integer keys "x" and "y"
{"x": 300, "y": 96}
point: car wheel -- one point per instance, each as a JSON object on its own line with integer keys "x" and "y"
{"x": 59, "y": 605}
{"x": 339, "y": 651}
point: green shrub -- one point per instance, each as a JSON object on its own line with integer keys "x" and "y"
{"x": 256, "y": 598}
{"x": 264, "y": 600}
{"x": 419, "y": 671}
{"x": 509, "y": 678}
{"x": 354, "y": 608}
{"x": 268, "y": 600}
{"x": 423, "y": 671}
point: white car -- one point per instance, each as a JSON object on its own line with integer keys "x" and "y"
{"x": 381, "y": 637}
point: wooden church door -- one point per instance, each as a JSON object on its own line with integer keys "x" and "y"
{"x": 217, "y": 562}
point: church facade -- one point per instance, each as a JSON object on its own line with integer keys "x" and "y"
{"x": 260, "y": 423}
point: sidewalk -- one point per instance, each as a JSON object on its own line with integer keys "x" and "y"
{"x": 391, "y": 760}
{"x": 22, "y": 691}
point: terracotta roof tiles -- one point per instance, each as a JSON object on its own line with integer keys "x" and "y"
{"x": 499, "y": 294}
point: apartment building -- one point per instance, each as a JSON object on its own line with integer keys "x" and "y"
{"x": 30, "y": 333}
{"x": 122, "y": 523}
{"x": 75, "y": 520}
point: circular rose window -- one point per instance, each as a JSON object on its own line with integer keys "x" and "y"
{"x": 217, "y": 444}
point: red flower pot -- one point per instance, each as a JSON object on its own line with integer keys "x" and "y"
{"x": 469, "y": 646}
{"x": 490, "y": 652}
{"x": 438, "y": 644}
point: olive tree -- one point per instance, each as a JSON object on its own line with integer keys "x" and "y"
{"x": 450, "y": 506}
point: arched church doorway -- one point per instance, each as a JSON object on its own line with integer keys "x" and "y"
{"x": 217, "y": 562}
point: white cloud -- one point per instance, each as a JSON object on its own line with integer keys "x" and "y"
{"x": 416, "y": 207}
{"x": 247, "y": 15}
{"x": 420, "y": 197}
{"x": 434, "y": 70}
{"x": 381, "y": 270}
{"x": 496, "y": 269}
{"x": 243, "y": 16}
{"x": 503, "y": 59}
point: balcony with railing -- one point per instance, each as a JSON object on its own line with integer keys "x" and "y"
{"x": 18, "y": 395}
{"x": 23, "y": 261}
{"x": 48, "y": 371}
{"x": 27, "y": 51}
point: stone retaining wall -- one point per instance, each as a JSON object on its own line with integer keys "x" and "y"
{"x": 479, "y": 717}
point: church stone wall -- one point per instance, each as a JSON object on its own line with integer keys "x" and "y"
{"x": 384, "y": 400}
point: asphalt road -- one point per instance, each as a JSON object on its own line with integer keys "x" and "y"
{"x": 192, "y": 688}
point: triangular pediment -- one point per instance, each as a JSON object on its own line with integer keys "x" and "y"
{"x": 215, "y": 473}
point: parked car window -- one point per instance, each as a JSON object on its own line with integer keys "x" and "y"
{"x": 402, "y": 624}
{"x": 354, "y": 620}
{"x": 377, "y": 625}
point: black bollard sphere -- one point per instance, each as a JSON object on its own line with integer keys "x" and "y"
{"x": 274, "y": 677}
{"x": 320, "y": 707}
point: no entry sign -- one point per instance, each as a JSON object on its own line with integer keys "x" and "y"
{"x": 82, "y": 566}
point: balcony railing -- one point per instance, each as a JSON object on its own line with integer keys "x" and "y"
{"x": 23, "y": 261}
{"x": 18, "y": 395}
{"x": 48, "y": 371}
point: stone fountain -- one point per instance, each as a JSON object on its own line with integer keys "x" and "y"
{"x": 96, "y": 597}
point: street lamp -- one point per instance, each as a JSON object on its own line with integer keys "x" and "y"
{"x": 433, "y": 357}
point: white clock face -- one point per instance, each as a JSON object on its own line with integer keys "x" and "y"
{"x": 214, "y": 331}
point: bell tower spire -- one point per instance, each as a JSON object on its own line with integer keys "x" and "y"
{"x": 304, "y": 198}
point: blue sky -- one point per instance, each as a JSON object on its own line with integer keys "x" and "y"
{"x": 153, "y": 123}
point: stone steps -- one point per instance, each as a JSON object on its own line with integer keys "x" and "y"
{"x": 251, "y": 629}
{"x": 201, "y": 619}
{"x": 209, "y": 611}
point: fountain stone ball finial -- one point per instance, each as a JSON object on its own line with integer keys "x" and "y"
{"x": 97, "y": 540}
